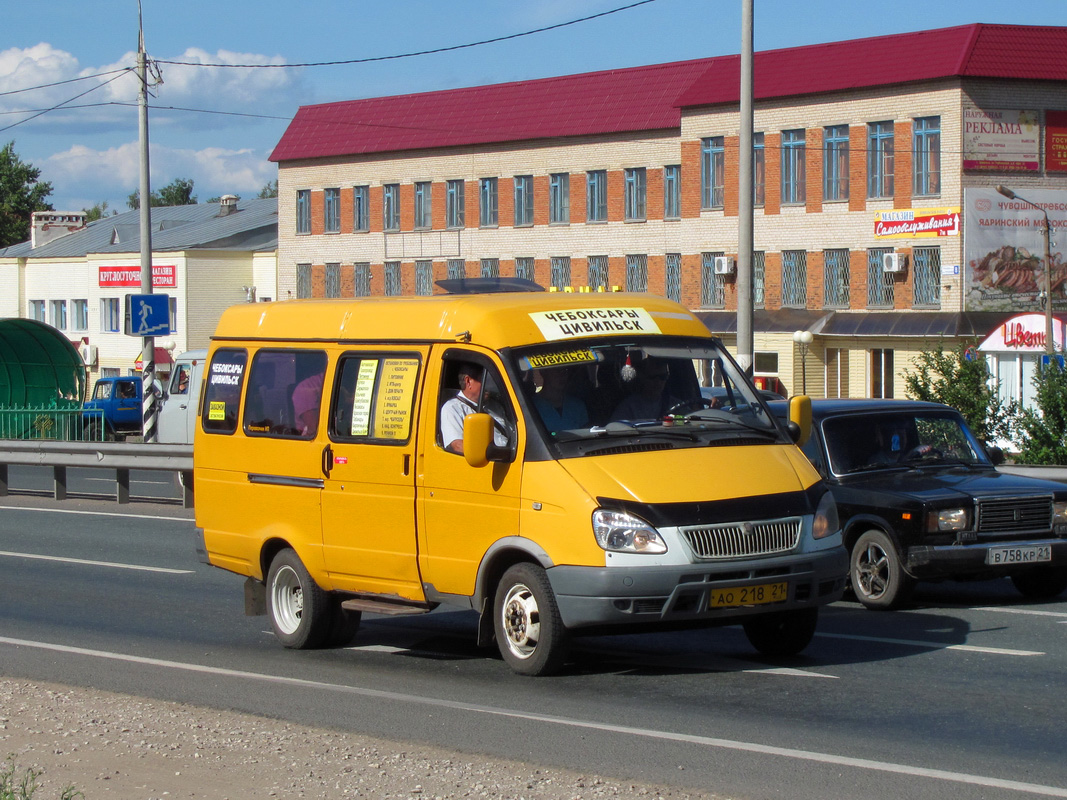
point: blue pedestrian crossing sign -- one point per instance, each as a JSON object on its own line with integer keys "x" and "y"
{"x": 148, "y": 315}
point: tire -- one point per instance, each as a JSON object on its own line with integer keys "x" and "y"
{"x": 782, "y": 633}
{"x": 343, "y": 626}
{"x": 300, "y": 612}
{"x": 878, "y": 578}
{"x": 526, "y": 620}
{"x": 1041, "y": 583}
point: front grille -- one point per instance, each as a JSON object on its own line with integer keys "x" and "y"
{"x": 1014, "y": 514}
{"x": 737, "y": 539}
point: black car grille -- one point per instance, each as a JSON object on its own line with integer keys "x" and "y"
{"x": 737, "y": 539}
{"x": 1014, "y": 514}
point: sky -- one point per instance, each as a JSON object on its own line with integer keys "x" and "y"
{"x": 218, "y": 125}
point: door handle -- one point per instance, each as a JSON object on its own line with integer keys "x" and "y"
{"x": 327, "y": 460}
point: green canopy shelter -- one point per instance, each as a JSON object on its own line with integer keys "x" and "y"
{"x": 38, "y": 365}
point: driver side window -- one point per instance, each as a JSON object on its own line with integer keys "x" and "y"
{"x": 468, "y": 387}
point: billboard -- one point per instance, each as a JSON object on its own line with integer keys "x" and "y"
{"x": 1001, "y": 139}
{"x": 1004, "y": 250}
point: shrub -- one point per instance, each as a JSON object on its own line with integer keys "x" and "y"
{"x": 1043, "y": 432}
{"x": 22, "y": 786}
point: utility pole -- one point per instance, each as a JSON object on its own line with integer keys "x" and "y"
{"x": 745, "y": 342}
{"x": 148, "y": 343}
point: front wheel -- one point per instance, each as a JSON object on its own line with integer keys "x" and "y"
{"x": 300, "y": 611}
{"x": 1041, "y": 583}
{"x": 782, "y": 633}
{"x": 878, "y": 578}
{"x": 526, "y": 620}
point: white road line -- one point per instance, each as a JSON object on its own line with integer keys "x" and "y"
{"x": 1031, "y": 611}
{"x": 89, "y": 563}
{"x": 647, "y": 733}
{"x": 1000, "y": 651}
{"x": 93, "y": 513}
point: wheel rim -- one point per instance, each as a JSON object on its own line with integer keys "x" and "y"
{"x": 872, "y": 568}
{"x": 521, "y": 621}
{"x": 287, "y": 597}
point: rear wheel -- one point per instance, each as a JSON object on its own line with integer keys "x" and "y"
{"x": 300, "y": 611}
{"x": 1041, "y": 583}
{"x": 782, "y": 633}
{"x": 526, "y": 620}
{"x": 878, "y": 578}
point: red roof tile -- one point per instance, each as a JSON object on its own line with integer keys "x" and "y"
{"x": 650, "y": 98}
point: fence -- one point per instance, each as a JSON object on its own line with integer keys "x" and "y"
{"x": 60, "y": 421}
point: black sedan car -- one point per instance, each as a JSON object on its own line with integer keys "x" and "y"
{"x": 920, "y": 499}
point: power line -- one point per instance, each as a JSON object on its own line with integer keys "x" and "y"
{"x": 417, "y": 53}
{"x": 60, "y": 105}
{"x": 61, "y": 83}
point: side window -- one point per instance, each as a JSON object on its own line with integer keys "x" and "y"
{"x": 469, "y": 387}
{"x": 284, "y": 393}
{"x": 375, "y": 398}
{"x": 225, "y": 375}
{"x": 179, "y": 382}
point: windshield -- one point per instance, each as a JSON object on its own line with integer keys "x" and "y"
{"x": 858, "y": 443}
{"x": 668, "y": 392}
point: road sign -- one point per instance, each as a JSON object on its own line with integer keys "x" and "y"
{"x": 148, "y": 315}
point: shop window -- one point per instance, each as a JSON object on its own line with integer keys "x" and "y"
{"x": 836, "y": 372}
{"x": 881, "y": 374}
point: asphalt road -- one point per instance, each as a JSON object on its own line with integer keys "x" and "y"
{"x": 960, "y": 696}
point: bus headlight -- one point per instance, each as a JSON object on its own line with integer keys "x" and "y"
{"x": 619, "y": 532}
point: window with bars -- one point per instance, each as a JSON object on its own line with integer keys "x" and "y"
{"x": 393, "y": 279}
{"x": 926, "y": 274}
{"x": 712, "y": 286}
{"x": 524, "y": 268}
{"x": 303, "y": 280}
{"x": 559, "y": 198}
{"x": 455, "y": 210}
{"x": 361, "y": 208}
{"x": 835, "y": 278}
{"x": 759, "y": 170}
{"x": 672, "y": 191}
{"x": 391, "y": 206}
{"x": 560, "y": 272}
{"x": 598, "y": 273}
{"x": 881, "y": 375}
{"x": 333, "y": 280}
{"x": 457, "y": 268}
{"x": 759, "y": 279}
{"x": 423, "y": 205}
{"x": 637, "y": 273}
{"x": 879, "y": 282}
{"x": 331, "y": 211}
{"x": 423, "y": 277}
{"x": 795, "y": 278}
{"x": 596, "y": 196}
{"x": 794, "y": 167}
{"x": 636, "y": 193}
{"x": 835, "y": 163}
{"x": 880, "y": 159}
{"x": 926, "y": 156}
{"x": 490, "y": 268}
{"x": 524, "y": 200}
{"x": 488, "y": 208}
{"x": 361, "y": 275}
{"x": 672, "y": 276}
{"x": 303, "y": 211}
{"x": 712, "y": 172}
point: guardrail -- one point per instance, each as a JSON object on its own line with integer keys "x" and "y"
{"x": 118, "y": 456}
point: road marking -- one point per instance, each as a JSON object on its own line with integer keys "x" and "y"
{"x": 1000, "y": 651}
{"x": 92, "y": 513}
{"x": 96, "y": 563}
{"x": 646, "y": 733}
{"x": 1031, "y": 611}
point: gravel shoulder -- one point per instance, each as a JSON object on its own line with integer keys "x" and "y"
{"x": 117, "y": 746}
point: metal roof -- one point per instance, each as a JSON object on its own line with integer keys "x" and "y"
{"x": 252, "y": 226}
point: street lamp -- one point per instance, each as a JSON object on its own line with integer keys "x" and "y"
{"x": 802, "y": 340}
{"x": 1050, "y": 348}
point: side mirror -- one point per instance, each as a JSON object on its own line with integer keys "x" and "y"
{"x": 477, "y": 438}
{"x": 800, "y": 415}
{"x": 996, "y": 455}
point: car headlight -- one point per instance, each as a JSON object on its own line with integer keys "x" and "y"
{"x": 948, "y": 519}
{"x": 619, "y": 532}
{"x": 1059, "y": 517}
{"x": 826, "y": 522}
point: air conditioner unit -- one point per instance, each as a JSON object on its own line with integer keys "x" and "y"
{"x": 724, "y": 265}
{"x": 894, "y": 262}
{"x": 88, "y": 354}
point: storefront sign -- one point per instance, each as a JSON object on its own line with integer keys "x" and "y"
{"x": 917, "y": 223}
{"x": 1023, "y": 334}
{"x": 1056, "y": 141}
{"x": 163, "y": 276}
{"x": 1001, "y": 139}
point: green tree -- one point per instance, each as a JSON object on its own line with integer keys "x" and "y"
{"x": 1043, "y": 432}
{"x": 21, "y": 193}
{"x": 99, "y": 211}
{"x": 179, "y": 192}
{"x": 961, "y": 379}
{"x": 268, "y": 191}
{"x": 218, "y": 199}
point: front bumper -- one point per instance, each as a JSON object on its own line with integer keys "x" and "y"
{"x": 594, "y": 597}
{"x": 943, "y": 561}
